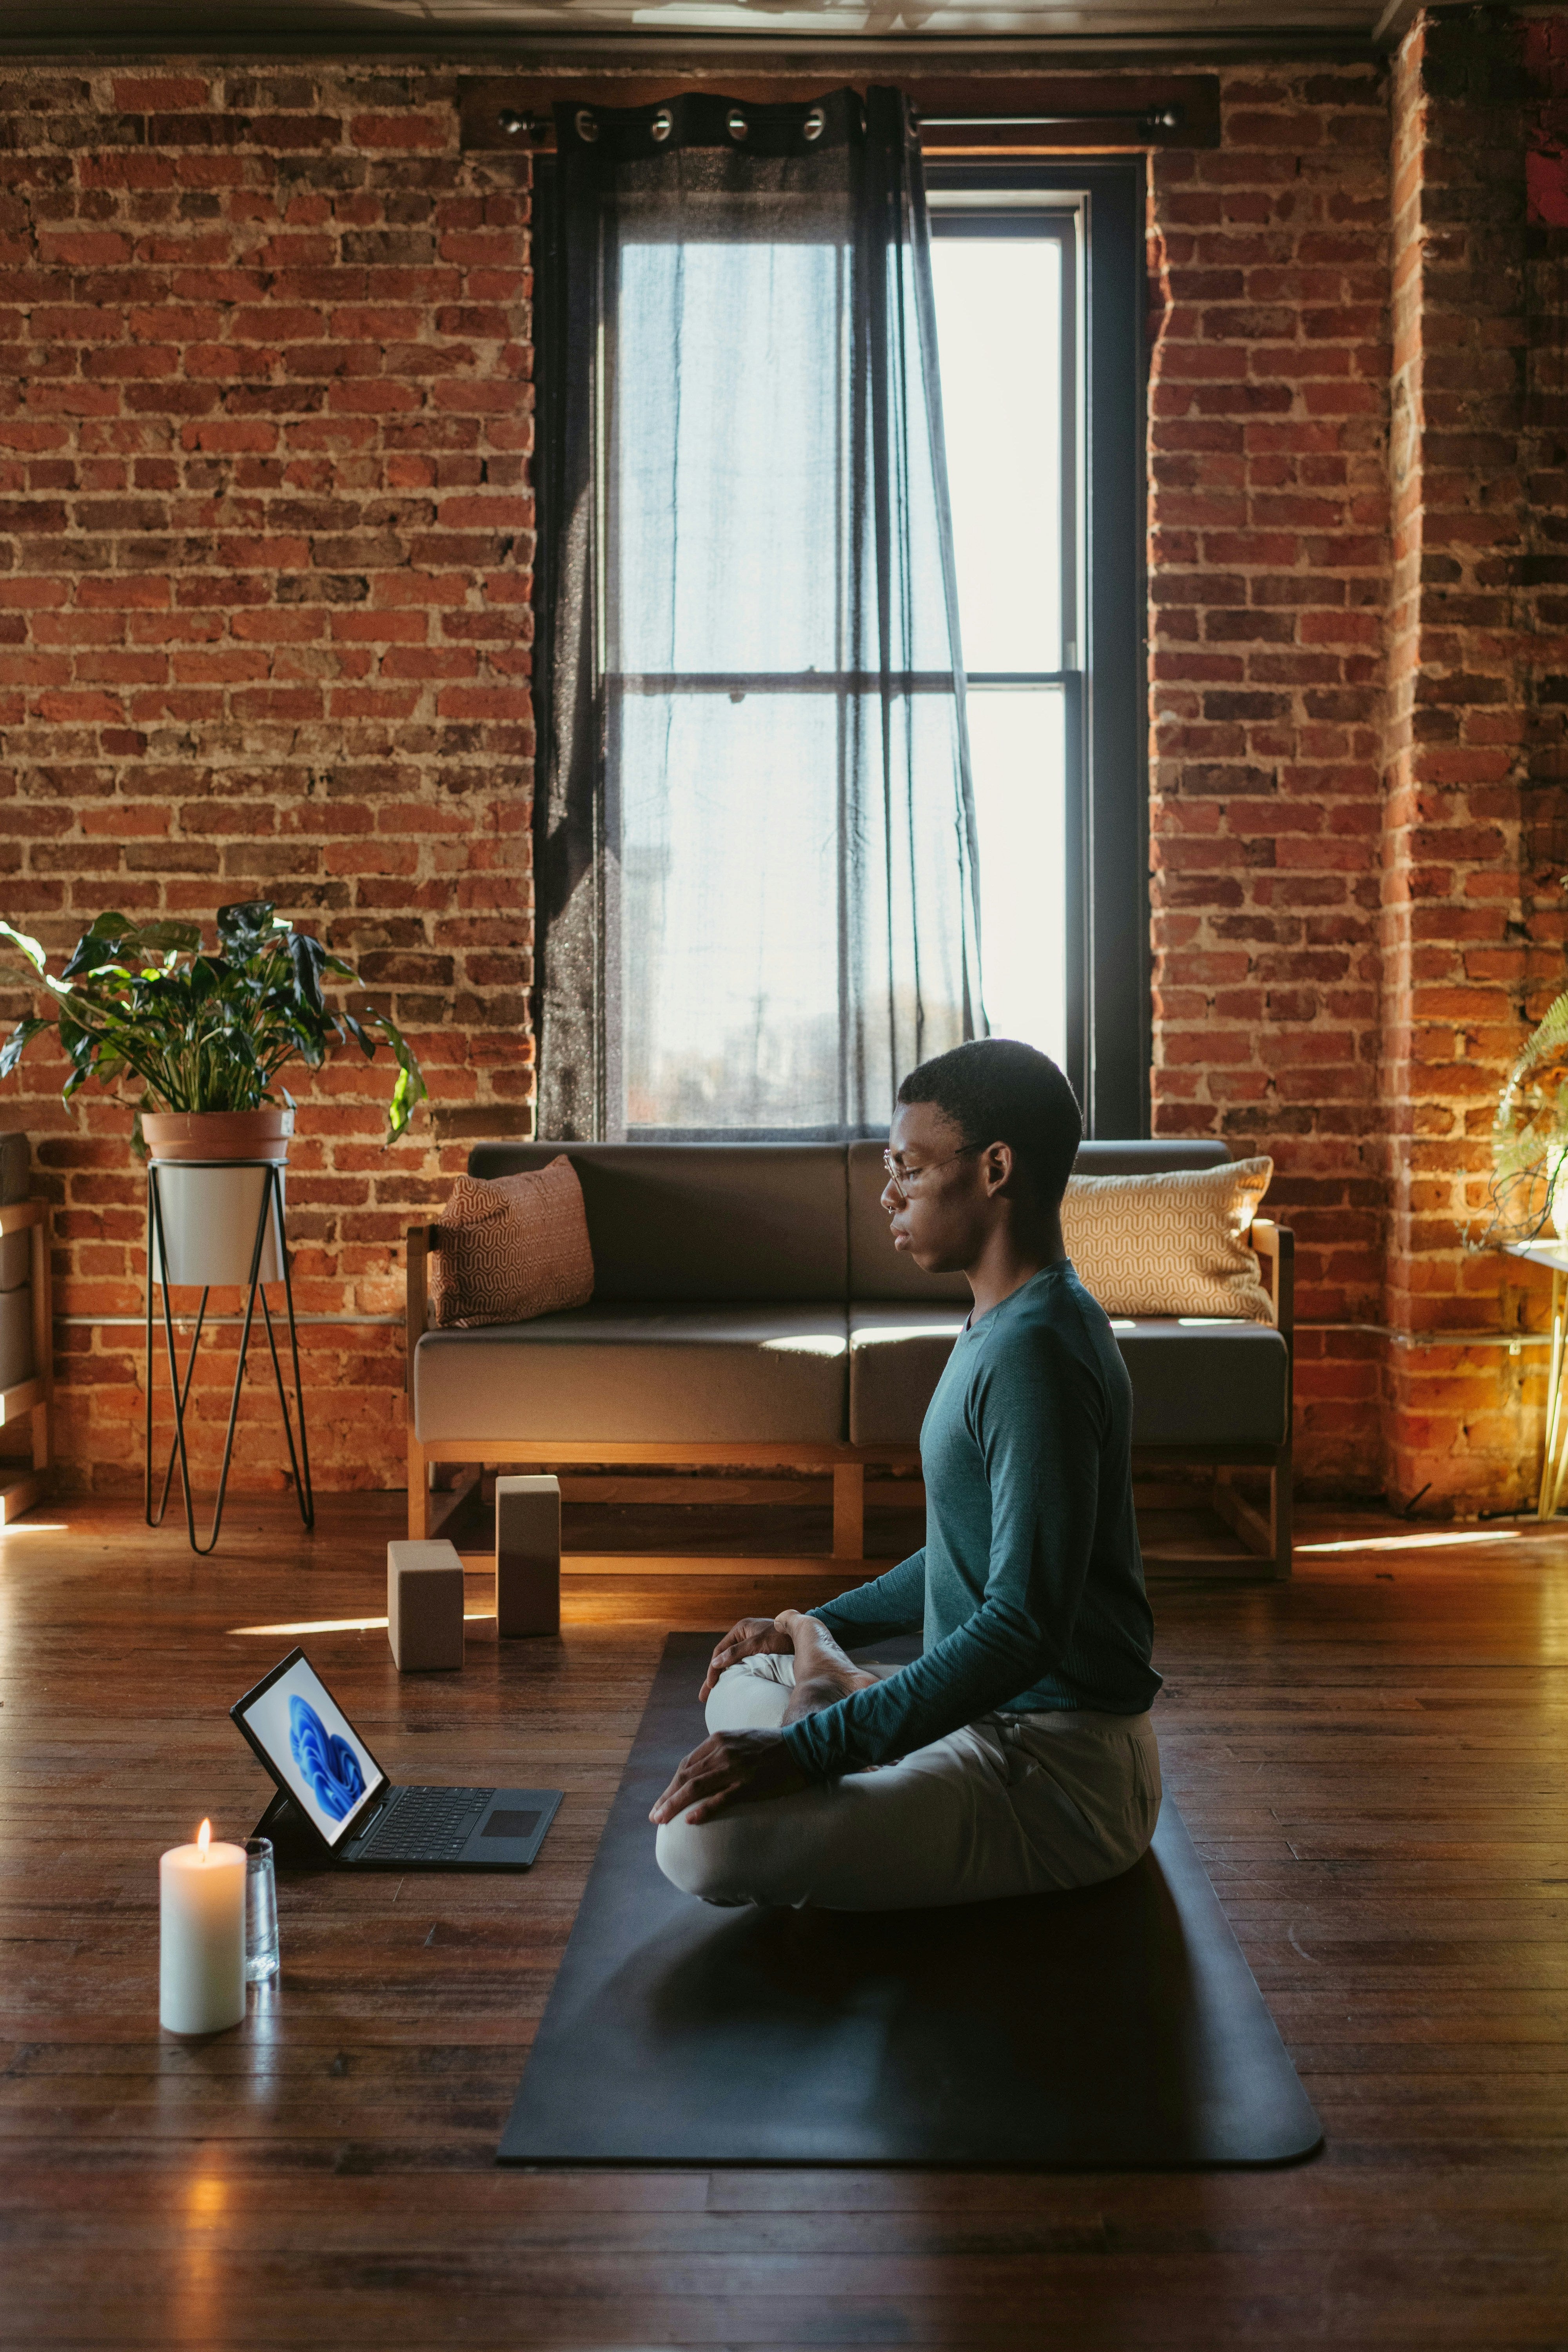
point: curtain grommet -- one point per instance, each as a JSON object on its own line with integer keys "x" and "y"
{"x": 738, "y": 125}
{"x": 661, "y": 126}
{"x": 587, "y": 126}
{"x": 815, "y": 123}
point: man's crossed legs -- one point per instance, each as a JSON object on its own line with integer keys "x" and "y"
{"x": 1009, "y": 1805}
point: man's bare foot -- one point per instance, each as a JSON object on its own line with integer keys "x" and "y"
{"x": 823, "y": 1675}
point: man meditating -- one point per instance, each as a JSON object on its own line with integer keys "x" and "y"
{"x": 1016, "y": 1753}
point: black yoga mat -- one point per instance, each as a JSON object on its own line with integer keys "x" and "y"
{"x": 1113, "y": 2028}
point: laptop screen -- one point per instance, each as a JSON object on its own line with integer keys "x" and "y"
{"x": 314, "y": 1750}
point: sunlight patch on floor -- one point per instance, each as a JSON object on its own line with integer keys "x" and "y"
{"x": 1415, "y": 1543}
{"x": 346, "y": 1624}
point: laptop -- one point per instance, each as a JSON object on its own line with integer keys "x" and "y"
{"x": 330, "y": 1784}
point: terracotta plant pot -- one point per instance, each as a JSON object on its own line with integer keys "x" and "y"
{"x": 175, "y": 1135}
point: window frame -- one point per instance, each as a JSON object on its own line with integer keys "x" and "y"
{"x": 1109, "y": 977}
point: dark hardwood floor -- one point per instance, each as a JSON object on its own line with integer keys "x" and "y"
{"x": 1370, "y": 1758}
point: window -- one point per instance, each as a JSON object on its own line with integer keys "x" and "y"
{"x": 727, "y": 914}
{"x": 1038, "y": 274}
{"x": 726, "y": 898}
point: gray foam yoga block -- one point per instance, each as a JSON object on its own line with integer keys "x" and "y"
{"x": 424, "y": 1606}
{"x": 528, "y": 1557}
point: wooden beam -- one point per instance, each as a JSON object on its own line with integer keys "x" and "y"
{"x": 553, "y": 1453}
{"x": 15, "y": 1402}
{"x": 1241, "y": 1516}
{"x": 805, "y": 1493}
{"x": 42, "y": 1271}
{"x": 18, "y": 1495}
{"x": 849, "y": 1511}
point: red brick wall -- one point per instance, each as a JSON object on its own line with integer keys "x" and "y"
{"x": 263, "y": 549}
{"x": 1474, "y": 849}
{"x": 1268, "y": 560}
{"x": 264, "y": 566}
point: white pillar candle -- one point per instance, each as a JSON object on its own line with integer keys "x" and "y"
{"x": 201, "y": 1955}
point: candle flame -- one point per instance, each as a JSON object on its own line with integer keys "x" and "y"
{"x": 203, "y": 1838}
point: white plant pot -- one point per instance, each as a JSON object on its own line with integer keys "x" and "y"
{"x": 209, "y": 1224}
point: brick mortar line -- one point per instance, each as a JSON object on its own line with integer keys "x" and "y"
{"x": 138, "y": 1322}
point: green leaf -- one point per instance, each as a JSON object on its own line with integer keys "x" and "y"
{"x": 171, "y": 938}
{"x": 410, "y": 1090}
{"x": 247, "y": 927}
{"x": 99, "y": 945}
{"x": 306, "y": 956}
{"x": 30, "y": 947}
{"x": 18, "y": 1042}
{"x": 356, "y": 1031}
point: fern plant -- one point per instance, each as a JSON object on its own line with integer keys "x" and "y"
{"x": 203, "y": 1029}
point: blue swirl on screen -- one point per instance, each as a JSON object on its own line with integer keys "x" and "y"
{"x": 329, "y": 1765}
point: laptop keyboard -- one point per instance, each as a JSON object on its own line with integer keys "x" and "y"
{"x": 427, "y": 1824}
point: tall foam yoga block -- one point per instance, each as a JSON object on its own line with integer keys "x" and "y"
{"x": 424, "y": 1606}
{"x": 528, "y": 1557}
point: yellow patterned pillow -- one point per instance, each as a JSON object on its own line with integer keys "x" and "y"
{"x": 1172, "y": 1244}
{"x": 510, "y": 1247}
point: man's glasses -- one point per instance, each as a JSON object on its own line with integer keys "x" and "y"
{"x": 908, "y": 1180}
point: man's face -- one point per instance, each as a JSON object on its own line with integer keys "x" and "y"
{"x": 941, "y": 1201}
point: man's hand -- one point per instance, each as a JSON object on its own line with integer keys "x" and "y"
{"x": 749, "y": 1639}
{"x": 734, "y": 1768}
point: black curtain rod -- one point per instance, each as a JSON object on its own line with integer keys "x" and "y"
{"x": 1148, "y": 120}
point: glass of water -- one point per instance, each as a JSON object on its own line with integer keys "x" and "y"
{"x": 260, "y": 1911}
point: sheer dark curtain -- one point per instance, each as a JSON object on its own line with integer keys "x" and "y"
{"x": 757, "y": 852}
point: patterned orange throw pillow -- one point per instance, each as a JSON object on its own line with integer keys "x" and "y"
{"x": 1169, "y": 1245}
{"x": 510, "y": 1247}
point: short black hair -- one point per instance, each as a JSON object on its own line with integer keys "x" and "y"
{"x": 997, "y": 1090}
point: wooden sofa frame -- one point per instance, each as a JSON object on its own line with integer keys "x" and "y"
{"x": 24, "y": 1483}
{"x": 1264, "y": 1534}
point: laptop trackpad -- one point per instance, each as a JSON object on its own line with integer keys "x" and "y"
{"x": 512, "y": 1831}
{"x": 510, "y": 1825}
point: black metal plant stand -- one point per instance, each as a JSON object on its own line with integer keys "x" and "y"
{"x": 271, "y": 1203}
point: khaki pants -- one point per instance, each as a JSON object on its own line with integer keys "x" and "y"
{"x": 1014, "y": 1804}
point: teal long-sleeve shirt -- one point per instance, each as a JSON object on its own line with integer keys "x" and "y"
{"x": 1029, "y": 1592}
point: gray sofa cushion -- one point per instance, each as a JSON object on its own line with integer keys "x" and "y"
{"x": 1192, "y": 1383}
{"x": 1150, "y": 1155}
{"x": 1197, "y": 1383}
{"x": 896, "y": 1351}
{"x": 709, "y": 1221}
{"x": 647, "y": 1375}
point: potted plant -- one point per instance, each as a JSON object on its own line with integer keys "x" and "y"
{"x": 1530, "y": 1137}
{"x": 206, "y": 1032}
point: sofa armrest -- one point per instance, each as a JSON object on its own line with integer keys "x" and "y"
{"x": 1275, "y": 1247}
{"x": 418, "y": 1296}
